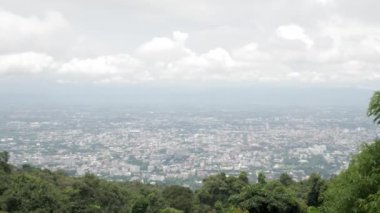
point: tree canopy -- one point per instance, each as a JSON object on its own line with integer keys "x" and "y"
{"x": 374, "y": 107}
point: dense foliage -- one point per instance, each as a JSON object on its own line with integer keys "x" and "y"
{"x": 358, "y": 188}
{"x": 29, "y": 189}
{"x": 374, "y": 107}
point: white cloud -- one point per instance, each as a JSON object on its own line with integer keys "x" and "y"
{"x": 25, "y": 63}
{"x": 217, "y": 59}
{"x": 111, "y": 68}
{"x": 294, "y": 32}
{"x": 165, "y": 49}
{"x": 25, "y": 33}
{"x": 215, "y": 64}
{"x": 102, "y": 65}
{"x": 180, "y": 36}
{"x": 251, "y": 53}
{"x": 11, "y": 23}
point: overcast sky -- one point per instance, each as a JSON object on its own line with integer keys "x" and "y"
{"x": 290, "y": 42}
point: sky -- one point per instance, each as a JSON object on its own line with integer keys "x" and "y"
{"x": 80, "y": 43}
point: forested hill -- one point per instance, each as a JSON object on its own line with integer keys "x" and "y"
{"x": 356, "y": 189}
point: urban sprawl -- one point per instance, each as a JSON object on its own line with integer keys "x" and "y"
{"x": 185, "y": 146}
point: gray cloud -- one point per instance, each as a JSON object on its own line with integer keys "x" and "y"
{"x": 332, "y": 42}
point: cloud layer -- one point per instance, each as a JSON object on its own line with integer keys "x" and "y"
{"x": 339, "y": 48}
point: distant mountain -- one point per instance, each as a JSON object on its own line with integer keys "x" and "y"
{"x": 172, "y": 95}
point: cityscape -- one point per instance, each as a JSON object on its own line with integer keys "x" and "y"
{"x": 217, "y": 106}
{"x": 184, "y": 146}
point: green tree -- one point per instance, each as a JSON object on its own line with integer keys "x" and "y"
{"x": 219, "y": 188}
{"x": 286, "y": 179}
{"x": 317, "y": 186}
{"x": 179, "y": 197}
{"x": 374, "y": 107}
{"x": 170, "y": 210}
{"x": 269, "y": 197}
{"x": 371, "y": 204}
{"x": 261, "y": 178}
{"x": 156, "y": 202}
{"x": 243, "y": 176}
{"x": 140, "y": 206}
{"x": 91, "y": 194}
{"x": 357, "y": 187}
{"x": 4, "y": 157}
{"x": 30, "y": 194}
